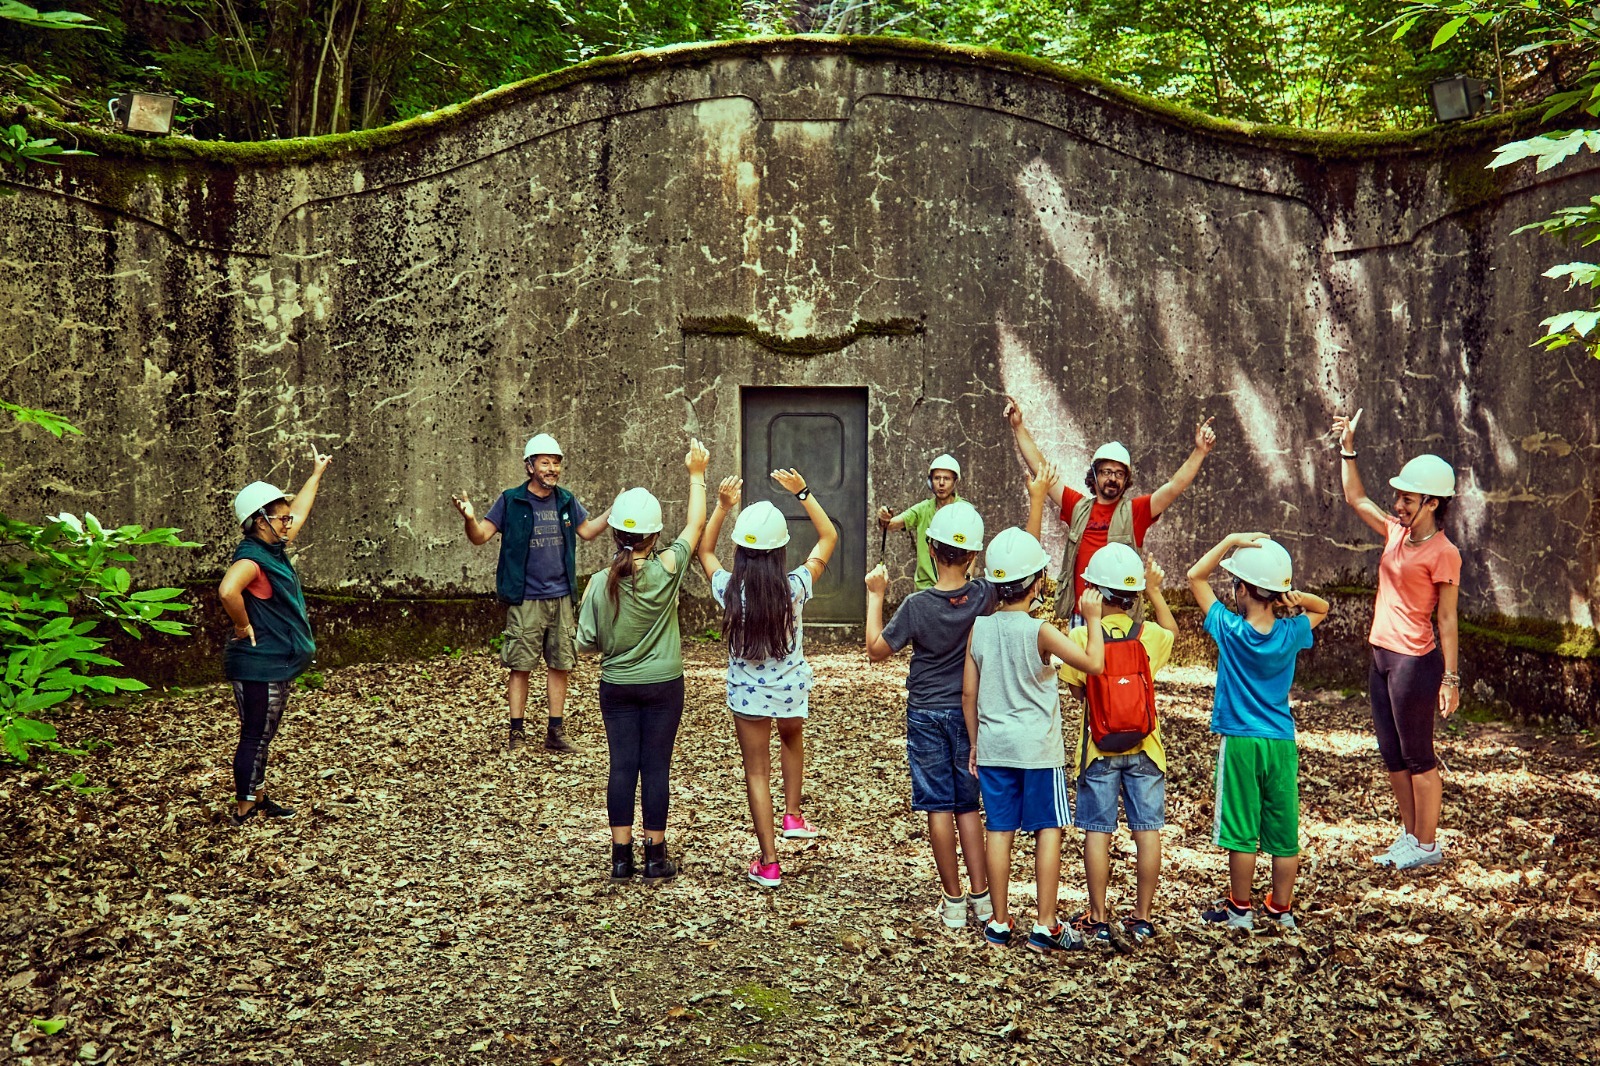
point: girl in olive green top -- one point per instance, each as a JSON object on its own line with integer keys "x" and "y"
{"x": 630, "y": 616}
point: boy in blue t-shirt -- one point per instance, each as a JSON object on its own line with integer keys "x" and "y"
{"x": 1258, "y": 766}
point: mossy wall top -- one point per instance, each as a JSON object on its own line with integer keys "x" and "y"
{"x": 609, "y": 253}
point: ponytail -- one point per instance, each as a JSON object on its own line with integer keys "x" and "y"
{"x": 622, "y": 564}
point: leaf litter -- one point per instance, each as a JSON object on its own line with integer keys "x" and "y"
{"x": 438, "y": 899}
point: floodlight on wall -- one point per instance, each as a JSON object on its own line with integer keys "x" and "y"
{"x": 143, "y": 112}
{"x": 1458, "y": 98}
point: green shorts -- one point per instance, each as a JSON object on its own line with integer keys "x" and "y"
{"x": 1258, "y": 796}
{"x": 540, "y": 628}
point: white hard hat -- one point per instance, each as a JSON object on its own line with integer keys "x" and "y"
{"x": 253, "y": 497}
{"x": 1426, "y": 475}
{"x": 1116, "y": 567}
{"x": 957, "y": 524}
{"x": 945, "y": 462}
{"x": 1115, "y": 452}
{"x": 541, "y": 444}
{"x": 1014, "y": 555}
{"x": 636, "y": 511}
{"x": 761, "y": 526}
{"x": 1265, "y": 564}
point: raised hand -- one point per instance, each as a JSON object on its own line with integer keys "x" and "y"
{"x": 1089, "y": 605}
{"x": 885, "y": 516}
{"x": 728, "y": 492}
{"x": 464, "y": 505}
{"x": 698, "y": 458}
{"x": 1013, "y": 414}
{"x": 1345, "y": 429}
{"x": 1205, "y": 438}
{"x": 790, "y": 480}
{"x": 1040, "y": 483}
{"x": 1153, "y": 574}
{"x": 1292, "y": 598}
{"x": 1248, "y": 540}
{"x": 878, "y": 580}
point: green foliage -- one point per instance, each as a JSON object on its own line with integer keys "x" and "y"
{"x": 1564, "y": 36}
{"x": 46, "y": 20}
{"x": 19, "y": 148}
{"x": 58, "y": 583}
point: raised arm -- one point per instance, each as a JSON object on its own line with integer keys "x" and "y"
{"x": 827, "y": 534}
{"x": 887, "y": 519}
{"x": 231, "y": 593}
{"x": 479, "y": 530}
{"x": 877, "y": 584}
{"x": 697, "y": 460}
{"x": 1030, "y": 451}
{"x": 1205, "y": 438}
{"x": 592, "y": 526}
{"x": 1153, "y": 576}
{"x": 1200, "y": 572}
{"x": 727, "y": 500}
{"x": 1090, "y": 660}
{"x": 1315, "y": 607}
{"x": 1039, "y": 486}
{"x": 1355, "y": 494}
{"x": 300, "y": 506}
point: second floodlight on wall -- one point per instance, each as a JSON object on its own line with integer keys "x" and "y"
{"x": 143, "y": 112}
{"x": 1458, "y": 98}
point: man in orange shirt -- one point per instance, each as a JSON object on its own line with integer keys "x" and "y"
{"x": 1108, "y": 515}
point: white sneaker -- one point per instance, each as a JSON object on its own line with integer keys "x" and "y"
{"x": 1416, "y": 856}
{"x": 954, "y": 912}
{"x": 982, "y": 907}
{"x": 1401, "y": 845}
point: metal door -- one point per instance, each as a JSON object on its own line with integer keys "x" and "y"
{"x": 822, "y": 432}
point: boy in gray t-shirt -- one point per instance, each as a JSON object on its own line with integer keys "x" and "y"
{"x": 1013, "y": 714}
{"x": 936, "y": 622}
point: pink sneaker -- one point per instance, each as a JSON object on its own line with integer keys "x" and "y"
{"x": 795, "y": 827}
{"x": 765, "y": 874}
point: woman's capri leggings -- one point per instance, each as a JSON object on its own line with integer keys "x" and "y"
{"x": 261, "y": 705}
{"x": 1405, "y": 694}
{"x": 641, "y": 726}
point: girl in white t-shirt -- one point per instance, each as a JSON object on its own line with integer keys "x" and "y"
{"x": 768, "y": 677}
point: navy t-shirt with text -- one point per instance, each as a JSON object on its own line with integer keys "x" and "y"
{"x": 547, "y": 566}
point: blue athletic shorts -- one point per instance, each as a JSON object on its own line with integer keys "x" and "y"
{"x": 937, "y": 749}
{"x": 1029, "y": 800}
{"x": 1136, "y": 778}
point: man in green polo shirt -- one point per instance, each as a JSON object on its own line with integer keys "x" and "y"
{"x": 943, "y": 473}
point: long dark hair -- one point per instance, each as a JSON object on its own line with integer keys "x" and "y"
{"x": 758, "y": 612}
{"x": 622, "y": 564}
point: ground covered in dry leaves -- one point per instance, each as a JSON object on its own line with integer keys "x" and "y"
{"x": 438, "y": 900}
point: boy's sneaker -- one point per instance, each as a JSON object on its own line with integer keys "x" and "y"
{"x": 1397, "y": 849}
{"x": 1283, "y": 919}
{"x": 982, "y": 907}
{"x": 996, "y": 936}
{"x": 1095, "y": 934}
{"x": 273, "y": 810}
{"x": 765, "y": 874}
{"x": 1416, "y": 856}
{"x": 1062, "y": 938}
{"x": 1138, "y": 930}
{"x": 795, "y": 827}
{"x": 954, "y": 912}
{"x": 1230, "y": 915}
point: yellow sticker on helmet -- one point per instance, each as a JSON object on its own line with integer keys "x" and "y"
{"x": 629, "y": 523}
{"x": 749, "y": 538}
{"x": 959, "y": 538}
{"x": 1130, "y": 581}
{"x": 999, "y": 575}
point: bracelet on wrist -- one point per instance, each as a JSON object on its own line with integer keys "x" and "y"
{"x": 1347, "y": 455}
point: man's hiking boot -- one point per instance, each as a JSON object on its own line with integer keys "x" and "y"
{"x": 517, "y": 737}
{"x": 555, "y": 737}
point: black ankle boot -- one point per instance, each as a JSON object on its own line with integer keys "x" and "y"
{"x": 657, "y": 867}
{"x": 622, "y": 868}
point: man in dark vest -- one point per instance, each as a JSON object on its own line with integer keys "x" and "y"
{"x": 537, "y": 579}
{"x": 1107, "y": 514}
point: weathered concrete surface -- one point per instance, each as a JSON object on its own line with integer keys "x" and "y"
{"x": 610, "y": 258}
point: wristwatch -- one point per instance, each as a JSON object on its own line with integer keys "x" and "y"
{"x": 803, "y": 495}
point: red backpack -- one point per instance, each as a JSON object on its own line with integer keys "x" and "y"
{"x": 1122, "y": 699}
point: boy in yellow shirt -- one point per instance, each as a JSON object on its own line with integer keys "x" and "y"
{"x": 1120, "y": 713}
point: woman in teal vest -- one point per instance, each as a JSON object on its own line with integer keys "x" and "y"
{"x": 272, "y": 643}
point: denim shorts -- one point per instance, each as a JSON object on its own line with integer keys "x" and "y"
{"x": 937, "y": 749}
{"x": 1135, "y": 777}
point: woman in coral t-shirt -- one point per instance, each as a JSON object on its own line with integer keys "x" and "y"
{"x": 1419, "y": 575}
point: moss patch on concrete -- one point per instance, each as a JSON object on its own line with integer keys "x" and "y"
{"x": 734, "y": 325}
{"x": 303, "y": 150}
{"x": 1533, "y": 634}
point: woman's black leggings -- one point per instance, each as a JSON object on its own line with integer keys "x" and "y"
{"x": 1405, "y": 693}
{"x": 261, "y": 706}
{"x": 641, "y": 726}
